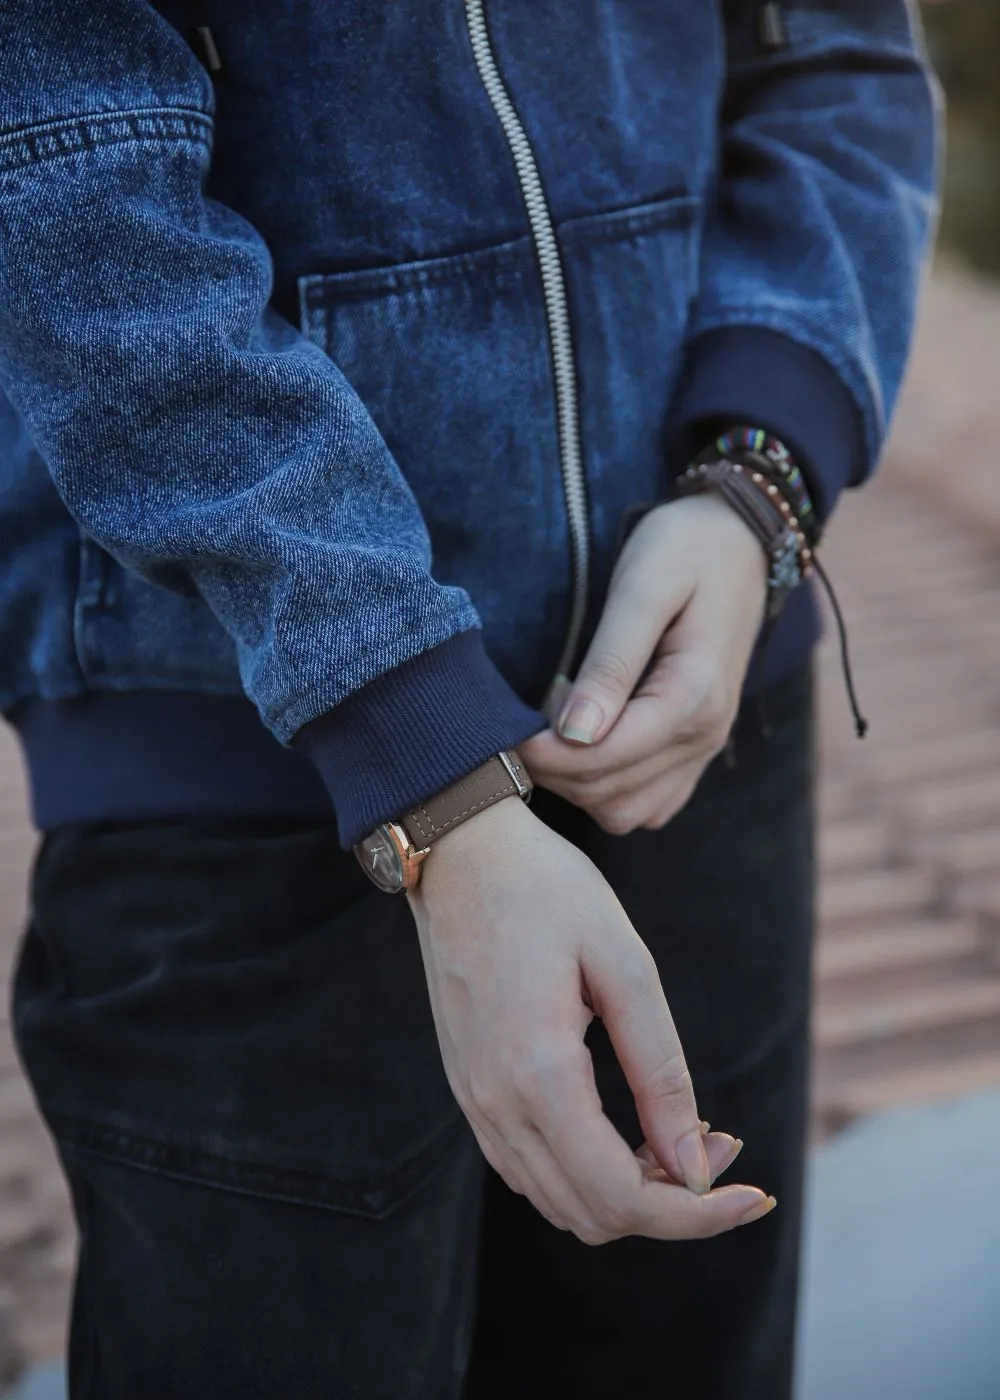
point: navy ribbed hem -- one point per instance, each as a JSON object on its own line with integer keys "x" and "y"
{"x": 412, "y": 731}
{"x": 760, "y": 378}
{"x": 159, "y": 755}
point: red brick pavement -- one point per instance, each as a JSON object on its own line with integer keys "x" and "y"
{"x": 36, "y": 1240}
{"x": 908, "y": 965}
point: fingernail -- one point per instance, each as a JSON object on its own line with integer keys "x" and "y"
{"x": 706, "y": 1128}
{"x": 580, "y": 723}
{"x": 734, "y": 1152}
{"x": 693, "y": 1162}
{"x": 759, "y": 1210}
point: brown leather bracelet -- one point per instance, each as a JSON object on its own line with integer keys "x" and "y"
{"x": 766, "y": 513}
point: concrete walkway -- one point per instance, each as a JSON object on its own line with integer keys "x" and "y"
{"x": 901, "y": 1296}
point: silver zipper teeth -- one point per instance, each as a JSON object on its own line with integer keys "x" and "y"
{"x": 557, "y": 315}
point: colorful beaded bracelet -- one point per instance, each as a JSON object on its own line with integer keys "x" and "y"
{"x": 773, "y": 459}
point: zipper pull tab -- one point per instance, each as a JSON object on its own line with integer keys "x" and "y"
{"x": 556, "y": 698}
{"x": 772, "y": 28}
{"x": 209, "y": 50}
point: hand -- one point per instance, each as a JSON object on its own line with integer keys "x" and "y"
{"x": 659, "y": 688}
{"x": 523, "y": 944}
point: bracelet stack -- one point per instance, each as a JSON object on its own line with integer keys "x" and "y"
{"x": 757, "y": 476}
{"x": 772, "y": 458}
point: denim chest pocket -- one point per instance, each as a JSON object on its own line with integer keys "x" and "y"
{"x": 452, "y": 358}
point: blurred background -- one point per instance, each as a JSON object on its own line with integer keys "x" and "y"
{"x": 902, "y": 1279}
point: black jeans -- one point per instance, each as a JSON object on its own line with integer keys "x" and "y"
{"x": 228, "y": 1032}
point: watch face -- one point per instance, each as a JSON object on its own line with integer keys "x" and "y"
{"x": 381, "y": 860}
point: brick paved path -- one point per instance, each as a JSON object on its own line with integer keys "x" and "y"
{"x": 36, "y": 1249}
{"x": 908, "y": 965}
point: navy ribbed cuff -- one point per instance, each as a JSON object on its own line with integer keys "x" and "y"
{"x": 410, "y": 732}
{"x": 760, "y": 378}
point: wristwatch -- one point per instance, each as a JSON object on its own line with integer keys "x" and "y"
{"x": 392, "y": 856}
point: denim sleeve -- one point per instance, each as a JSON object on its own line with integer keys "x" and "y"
{"x": 200, "y": 439}
{"x": 817, "y": 232}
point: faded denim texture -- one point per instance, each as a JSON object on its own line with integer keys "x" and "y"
{"x": 325, "y": 500}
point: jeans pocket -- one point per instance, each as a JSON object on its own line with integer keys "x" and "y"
{"x": 230, "y": 1003}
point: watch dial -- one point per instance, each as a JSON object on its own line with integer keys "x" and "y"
{"x": 381, "y": 861}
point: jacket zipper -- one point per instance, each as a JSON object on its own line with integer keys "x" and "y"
{"x": 560, "y": 336}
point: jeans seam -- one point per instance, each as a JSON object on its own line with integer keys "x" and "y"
{"x": 293, "y": 1186}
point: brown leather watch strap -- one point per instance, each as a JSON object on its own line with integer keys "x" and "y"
{"x": 501, "y": 776}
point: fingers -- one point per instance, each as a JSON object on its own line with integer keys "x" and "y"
{"x": 629, "y": 999}
{"x": 684, "y": 708}
{"x": 638, "y": 798}
{"x": 517, "y": 1175}
{"x": 626, "y": 1196}
{"x": 640, "y": 606}
{"x": 563, "y": 1154}
{"x": 646, "y": 768}
{"x": 671, "y": 1213}
{"x": 720, "y": 1148}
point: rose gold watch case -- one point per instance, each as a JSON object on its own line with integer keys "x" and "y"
{"x": 409, "y": 857}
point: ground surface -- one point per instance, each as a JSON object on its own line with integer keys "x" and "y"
{"x": 909, "y": 958}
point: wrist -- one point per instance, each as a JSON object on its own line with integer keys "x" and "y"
{"x": 732, "y": 537}
{"x": 768, "y": 494}
{"x": 471, "y": 851}
{"x": 393, "y": 854}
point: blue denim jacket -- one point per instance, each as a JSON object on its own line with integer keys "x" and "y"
{"x": 289, "y": 406}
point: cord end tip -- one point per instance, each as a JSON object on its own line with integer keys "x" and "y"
{"x": 861, "y": 726}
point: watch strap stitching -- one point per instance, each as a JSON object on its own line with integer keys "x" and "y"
{"x": 434, "y": 830}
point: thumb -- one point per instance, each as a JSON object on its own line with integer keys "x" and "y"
{"x": 633, "y": 621}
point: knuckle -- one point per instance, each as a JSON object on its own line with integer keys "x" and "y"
{"x": 615, "y": 819}
{"x": 542, "y": 1069}
{"x": 487, "y": 1098}
{"x": 639, "y": 970}
{"x": 592, "y": 1234}
{"x": 670, "y": 1080}
{"x": 612, "y": 672}
{"x": 614, "y": 1223}
{"x": 714, "y": 710}
{"x": 709, "y": 704}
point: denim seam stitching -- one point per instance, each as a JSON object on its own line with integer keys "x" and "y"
{"x": 512, "y": 257}
{"x": 617, "y": 226}
{"x": 399, "y": 278}
{"x": 296, "y": 1186}
{"x": 52, "y": 140}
